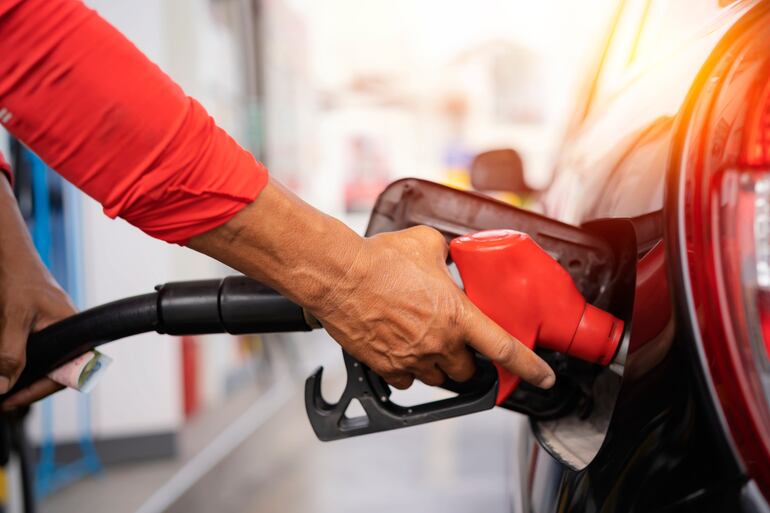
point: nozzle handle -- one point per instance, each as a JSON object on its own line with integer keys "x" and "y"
{"x": 330, "y": 421}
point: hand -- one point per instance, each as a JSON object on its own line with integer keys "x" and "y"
{"x": 399, "y": 311}
{"x": 26, "y": 308}
{"x": 388, "y": 300}
{"x": 30, "y": 300}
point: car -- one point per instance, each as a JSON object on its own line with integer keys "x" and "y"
{"x": 659, "y": 209}
{"x": 671, "y": 133}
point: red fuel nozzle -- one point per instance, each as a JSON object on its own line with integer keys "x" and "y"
{"x": 523, "y": 289}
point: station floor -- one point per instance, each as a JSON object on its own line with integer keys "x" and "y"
{"x": 257, "y": 453}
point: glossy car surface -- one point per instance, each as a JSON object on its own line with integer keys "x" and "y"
{"x": 666, "y": 446}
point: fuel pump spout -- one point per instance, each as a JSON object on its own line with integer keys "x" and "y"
{"x": 523, "y": 289}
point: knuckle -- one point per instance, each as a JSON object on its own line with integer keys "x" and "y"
{"x": 431, "y": 235}
{"x": 505, "y": 351}
{"x": 439, "y": 242}
{"x": 410, "y": 362}
{"x": 385, "y": 369}
{"x": 460, "y": 317}
{"x": 423, "y": 230}
{"x": 11, "y": 364}
{"x": 465, "y": 372}
{"x": 435, "y": 346}
{"x": 57, "y": 302}
{"x": 433, "y": 379}
{"x": 400, "y": 381}
{"x": 399, "y": 364}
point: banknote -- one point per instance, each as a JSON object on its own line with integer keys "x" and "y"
{"x": 83, "y": 372}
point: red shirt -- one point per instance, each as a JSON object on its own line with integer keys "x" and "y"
{"x": 100, "y": 113}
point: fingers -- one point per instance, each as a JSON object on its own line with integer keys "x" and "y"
{"x": 499, "y": 346}
{"x": 53, "y": 307}
{"x": 13, "y": 341}
{"x": 406, "y": 319}
{"x": 430, "y": 374}
{"x": 460, "y": 366}
{"x": 431, "y": 239}
{"x": 402, "y": 381}
{"x": 32, "y": 393}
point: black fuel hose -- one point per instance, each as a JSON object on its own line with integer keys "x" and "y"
{"x": 236, "y": 305}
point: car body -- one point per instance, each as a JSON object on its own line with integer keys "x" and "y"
{"x": 669, "y": 443}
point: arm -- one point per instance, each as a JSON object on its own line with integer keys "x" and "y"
{"x": 389, "y": 300}
{"x": 99, "y": 112}
{"x": 30, "y": 299}
{"x": 95, "y": 109}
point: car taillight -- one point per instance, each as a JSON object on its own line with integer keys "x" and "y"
{"x": 723, "y": 198}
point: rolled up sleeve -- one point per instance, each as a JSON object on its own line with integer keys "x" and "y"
{"x": 100, "y": 113}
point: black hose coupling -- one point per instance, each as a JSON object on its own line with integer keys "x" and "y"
{"x": 235, "y": 305}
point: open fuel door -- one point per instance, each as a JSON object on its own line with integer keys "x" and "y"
{"x": 599, "y": 258}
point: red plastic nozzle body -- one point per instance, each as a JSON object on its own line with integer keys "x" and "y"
{"x": 523, "y": 289}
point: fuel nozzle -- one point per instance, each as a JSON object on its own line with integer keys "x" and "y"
{"x": 524, "y": 290}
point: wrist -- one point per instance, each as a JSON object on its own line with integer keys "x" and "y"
{"x": 16, "y": 248}
{"x": 21, "y": 268}
{"x": 285, "y": 243}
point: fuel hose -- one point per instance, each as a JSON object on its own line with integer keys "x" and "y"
{"x": 235, "y": 305}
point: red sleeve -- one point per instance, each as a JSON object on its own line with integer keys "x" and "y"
{"x": 5, "y": 168}
{"x": 96, "y": 110}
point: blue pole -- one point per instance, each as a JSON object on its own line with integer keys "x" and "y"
{"x": 48, "y": 476}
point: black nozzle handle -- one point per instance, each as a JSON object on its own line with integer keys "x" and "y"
{"x": 236, "y": 305}
{"x": 331, "y": 422}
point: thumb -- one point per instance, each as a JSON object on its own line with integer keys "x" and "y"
{"x": 53, "y": 307}
{"x": 489, "y": 339}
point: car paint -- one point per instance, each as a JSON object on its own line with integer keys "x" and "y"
{"x": 665, "y": 449}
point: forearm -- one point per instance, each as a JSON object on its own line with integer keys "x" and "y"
{"x": 30, "y": 299}
{"x": 15, "y": 243}
{"x": 99, "y": 112}
{"x": 284, "y": 242}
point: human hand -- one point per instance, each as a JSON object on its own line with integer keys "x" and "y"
{"x": 24, "y": 309}
{"x": 399, "y": 311}
{"x": 30, "y": 300}
{"x": 389, "y": 300}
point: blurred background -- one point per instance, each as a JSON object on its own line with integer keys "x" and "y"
{"x": 338, "y": 98}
